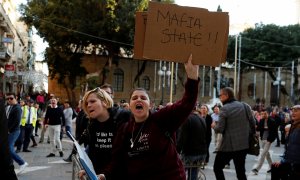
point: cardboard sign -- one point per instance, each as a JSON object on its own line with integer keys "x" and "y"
{"x": 139, "y": 37}
{"x": 173, "y": 32}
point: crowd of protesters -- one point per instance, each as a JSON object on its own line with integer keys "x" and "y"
{"x": 139, "y": 141}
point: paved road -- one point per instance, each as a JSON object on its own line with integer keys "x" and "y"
{"x": 44, "y": 168}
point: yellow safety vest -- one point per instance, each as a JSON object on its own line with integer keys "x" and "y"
{"x": 25, "y": 114}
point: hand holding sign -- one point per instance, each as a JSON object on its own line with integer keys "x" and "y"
{"x": 192, "y": 71}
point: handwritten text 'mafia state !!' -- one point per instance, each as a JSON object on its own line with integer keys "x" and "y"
{"x": 174, "y": 23}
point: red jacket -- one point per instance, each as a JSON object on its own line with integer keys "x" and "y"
{"x": 154, "y": 154}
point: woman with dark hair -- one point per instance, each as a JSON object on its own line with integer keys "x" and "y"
{"x": 144, "y": 147}
{"x": 208, "y": 120}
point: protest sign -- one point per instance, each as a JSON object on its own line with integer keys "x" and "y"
{"x": 172, "y": 32}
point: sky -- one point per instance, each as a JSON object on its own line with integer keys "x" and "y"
{"x": 249, "y": 12}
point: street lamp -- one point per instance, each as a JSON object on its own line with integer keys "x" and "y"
{"x": 279, "y": 83}
{"x": 163, "y": 72}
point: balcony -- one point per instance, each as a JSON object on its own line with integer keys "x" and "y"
{"x": 5, "y": 53}
{"x": 4, "y": 26}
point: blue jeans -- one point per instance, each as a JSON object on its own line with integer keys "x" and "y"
{"x": 68, "y": 128}
{"x": 12, "y": 137}
{"x": 193, "y": 161}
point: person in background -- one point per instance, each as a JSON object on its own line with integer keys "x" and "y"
{"x": 54, "y": 119}
{"x": 6, "y": 162}
{"x": 68, "y": 113}
{"x": 235, "y": 126}
{"x": 108, "y": 89}
{"x": 13, "y": 116}
{"x": 208, "y": 121}
{"x": 39, "y": 118}
{"x": 79, "y": 106}
{"x": 125, "y": 106}
{"x": 37, "y": 125}
{"x": 268, "y": 130}
{"x": 288, "y": 168}
{"x": 40, "y": 100}
{"x": 28, "y": 122}
{"x": 215, "y": 118}
{"x": 274, "y": 115}
{"x": 286, "y": 121}
{"x": 44, "y": 128}
{"x": 22, "y": 103}
{"x": 81, "y": 124}
{"x": 145, "y": 146}
{"x": 192, "y": 143}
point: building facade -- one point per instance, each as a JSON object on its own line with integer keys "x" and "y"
{"x": 16, "y": 56}
{"x": 255, "y": 85}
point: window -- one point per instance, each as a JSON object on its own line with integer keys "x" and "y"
{"x": 251, "y": 90}
{"x": 146, "y": 83}
{"x": 118, "y": 80}
{"x": 231, "y": 82}
{"x": 206, "y": 85}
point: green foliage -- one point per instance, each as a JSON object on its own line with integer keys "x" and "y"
{"x": 268, "y": 45}
{"x": 75, "y": 27}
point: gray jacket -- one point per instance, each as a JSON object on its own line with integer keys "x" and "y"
{"x": 235, "y": 126}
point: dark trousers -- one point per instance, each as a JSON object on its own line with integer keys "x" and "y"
{"x": 238, "y": 157}
{"x": 33, "y": 139}
{"x": 295, "y": 172}
{"x": 281, "y": 172}
{"x": 277, "y": 137}
{"x": 37, "y": 125}
{"x": 285, "y": 171}
{"x": 24, "y": 138}
{"x": 9, "y": 173}
{"x": 282, "y": 136}
{"x": 207, "y": 147}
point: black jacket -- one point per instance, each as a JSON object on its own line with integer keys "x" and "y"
{"x": 14, "y": 118}
{"x": 192, "y": 136}
{"x": 6, "y": 164}
{"x": 271, "y": 127}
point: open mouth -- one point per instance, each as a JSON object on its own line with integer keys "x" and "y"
{"x": 138, "y": 107}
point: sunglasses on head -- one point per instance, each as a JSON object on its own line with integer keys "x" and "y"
{"x": 9, "y": 98}
{"x": 99, "y": 91}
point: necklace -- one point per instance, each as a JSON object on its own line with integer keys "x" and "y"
{"x": 131, "y": 139}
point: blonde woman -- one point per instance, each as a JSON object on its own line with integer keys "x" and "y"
{"x": 100, "y": 133}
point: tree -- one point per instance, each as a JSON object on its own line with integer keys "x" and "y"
{"x": 270, "y": 45}
{"x": 75, "y": 27}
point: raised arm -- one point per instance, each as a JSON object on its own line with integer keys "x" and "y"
{"x": 171, "y": 117}
{"x": 192, "y": 70}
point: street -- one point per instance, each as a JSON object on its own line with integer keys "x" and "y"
{"x": 44, "y": 168}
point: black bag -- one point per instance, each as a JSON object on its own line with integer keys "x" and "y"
{"x": 74, "y": 115}
{"x": 253, "y": 139}
{"x": 253, "y": 145}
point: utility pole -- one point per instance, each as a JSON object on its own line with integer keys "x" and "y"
{"x": 235, "y": 65}
{"x": 239, "y": 67}
{"x": 292, "y": 82}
